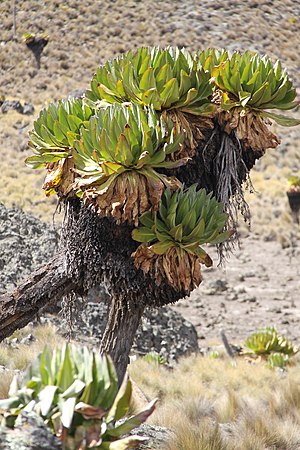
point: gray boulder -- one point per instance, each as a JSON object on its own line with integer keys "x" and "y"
{"x": 30, "y": 433}
{"x": 25, "y": 243}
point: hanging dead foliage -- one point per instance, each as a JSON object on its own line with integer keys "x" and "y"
{"x": 192, "y": 127}
{"x": 180, "y": 268}
{"x": 250, "y": 127}
{"x": 128, "y": 196}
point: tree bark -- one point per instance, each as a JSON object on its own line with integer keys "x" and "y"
{"x": 119, "y": 333}
{"x": 43, "y": 288}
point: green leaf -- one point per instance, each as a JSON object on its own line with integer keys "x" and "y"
{"x": 143, "y": 234}
{"x": 65, "y": 374}
{"x": 67, "y": 412}
{"x": 46, "y": 398}
{"x": 35, "y": 162}
{"x": 134, "y": 421}
{"x": 282, "y": 120}
{"x": 170, "y": 93}
{"x": 148, "y": 80}
{"x": 121, "y": 402}
{"x": 146, "y": 219}
{"x": 162, "y": 247}
{"x": 74, "y": 389}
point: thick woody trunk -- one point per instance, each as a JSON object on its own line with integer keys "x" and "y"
{"x": 119, "y": 333}
{"x": 98, "y": 251}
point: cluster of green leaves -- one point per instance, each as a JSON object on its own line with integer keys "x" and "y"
{"x": 277, "y": 360}
{"x": 123, "y": 138}
{"x": 294, "y": 181}
{"x": 55, "y": 131}
{"x": 155, "y": 358}
{"x": 186, "y": 219}
{"x": 267, "y": 341}
{"x": 165, "y": 78}
{"x": 76, "y": 392}
{"x": 211, "y": 58}
{"x": 249, "y": 80}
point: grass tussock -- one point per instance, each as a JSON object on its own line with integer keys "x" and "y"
{"x": 215, "y": 405}
{"x": 15, "y": 355}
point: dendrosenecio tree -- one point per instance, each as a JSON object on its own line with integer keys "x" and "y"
{"x": 149, "y": 166}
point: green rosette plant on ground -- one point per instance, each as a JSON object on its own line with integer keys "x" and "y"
{"x": 171, "y": 80}
{"x": 76, "y": 392}
{"x": 118, "y": 158}
{"x": 52, "y": 141}
{"x": 268, "y": 343}
{"x": 249, "y": 86}
{"x": 172, "y": 237}
{"x": 294, "y": 183}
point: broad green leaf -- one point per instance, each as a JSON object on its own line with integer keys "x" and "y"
{"x": 161, "y": 247}
{"x": 67, "y": 412}
{"x": 143, "y": 234}
{"x": 121, "y": 402}
{"x": 170, "y": 93}
{"x": 133, "y": 421}
{"x": 46, "y": 398}
{"x": 282, "y": 120}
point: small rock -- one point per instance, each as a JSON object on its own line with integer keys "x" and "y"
{"x": 9, "y": 105}
{"x": 232, "y": 297}
{"x": 28, "y": 109}
{"x": 27, "y": 340}
{"x": 239, "y": 289}
{"x": 215, "y": 287}
{"x": 30, "y": 433}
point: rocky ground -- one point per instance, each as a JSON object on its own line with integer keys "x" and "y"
{"x": 259, "y": 286}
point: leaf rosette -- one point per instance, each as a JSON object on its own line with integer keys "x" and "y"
{"x": 168, "y": 79}
{"x": 267, "y": 341}
{"x": 172, "y": 236}
{"x": 250, "y": 85}
{"x": 52, "y": 139}
{"x": 76, "y": 392}
{"x": 118, "y": 159}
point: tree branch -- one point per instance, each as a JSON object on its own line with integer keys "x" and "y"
{"x": 42, "y": 289}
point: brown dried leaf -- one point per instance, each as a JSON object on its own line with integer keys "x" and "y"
{"x": 250, "y": 128}
{"x": 192, "y": 126}
{"x": 179, "y": 268}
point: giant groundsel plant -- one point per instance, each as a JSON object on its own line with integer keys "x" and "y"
{"x": 52, "y": 139}
{"x": 76, "y": 392}
{"x": 155, "y": 120}
{"x": 251, "y": 85}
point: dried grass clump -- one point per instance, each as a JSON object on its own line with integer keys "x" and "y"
{"x": 213, "y": 405}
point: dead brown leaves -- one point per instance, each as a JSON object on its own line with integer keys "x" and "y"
{"x": 250, "y": 127}
{"x": 60, "y": 176}
{"x": 179, "y": 268}
{"x": 126, "y": 198}
{"x": 191, "y": 126}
